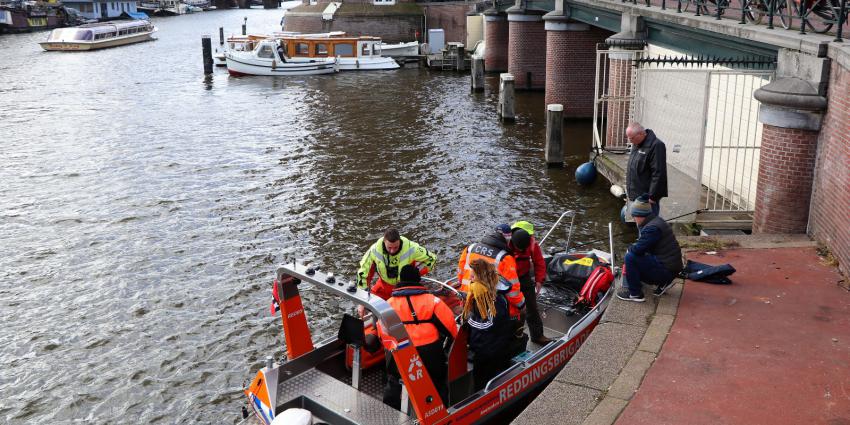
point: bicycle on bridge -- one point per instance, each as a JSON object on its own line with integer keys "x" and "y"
{"x": 818, "y": 15}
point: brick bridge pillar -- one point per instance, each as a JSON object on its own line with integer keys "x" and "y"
{"x": 526, "y": 48}
{"x": 571, "y": 64}
{"x": 791, "y": 111}
{"x": 496, "y": 41}
{"x": 622, "y": 47}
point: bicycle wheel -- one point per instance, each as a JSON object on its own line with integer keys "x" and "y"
{"x": 786, "y": 14}
{"x": 756, "y": 10}
{"x": 821, "y": 16}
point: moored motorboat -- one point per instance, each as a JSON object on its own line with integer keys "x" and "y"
{"x": 99, "y": 36}
{"x": 263, "y": 58}
{"x": 410, "y": 48}
{"x": 30, "y": 15}
{"x": 353, "y": 53}
{"x": 331, "y": 379}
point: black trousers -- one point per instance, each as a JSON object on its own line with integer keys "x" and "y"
{"x": 435, "y": 362}
{"x": 485, "y": 367}
{"x": 532, "y": 311}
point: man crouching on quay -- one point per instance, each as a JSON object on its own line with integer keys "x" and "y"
{"x": 655, "y": 258}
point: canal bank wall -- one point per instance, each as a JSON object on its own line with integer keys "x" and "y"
{"x": 608, "y": 372}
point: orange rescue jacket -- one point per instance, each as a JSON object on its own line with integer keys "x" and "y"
{"x": 426, "y": 319}
{"x": 505, "y": 265}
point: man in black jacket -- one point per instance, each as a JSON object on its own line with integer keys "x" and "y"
{"x": 647, "y": 170}
{"x": 654, "y": 258}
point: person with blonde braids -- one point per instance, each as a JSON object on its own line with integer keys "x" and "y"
{"x": 491, "y": 336}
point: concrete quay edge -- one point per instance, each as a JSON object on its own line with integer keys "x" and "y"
{"x": 598, "y": 382}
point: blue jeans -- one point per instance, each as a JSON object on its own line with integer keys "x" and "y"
{"x": 644, "y": 268}
{"x": 656, "y": 207}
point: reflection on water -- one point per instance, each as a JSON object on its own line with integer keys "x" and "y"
{"x": 145, "y": 208}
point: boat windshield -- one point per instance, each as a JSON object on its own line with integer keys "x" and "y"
{"x": 70, "y": 34}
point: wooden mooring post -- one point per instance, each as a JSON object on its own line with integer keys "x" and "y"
{"x": 554, "y": 135}
{"x": 478, "y": 74}
{"x": 244, "y": 25}
{"x": 221, "y": 36}
{"x": 206, "y": 46}
{"x": 506, "y": 97}
{"x": 460, "y": 63}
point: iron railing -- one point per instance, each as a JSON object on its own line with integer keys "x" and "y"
{"x": 820, "y": 16}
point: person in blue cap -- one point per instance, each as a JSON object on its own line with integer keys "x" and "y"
{"x": 654, "y": 258}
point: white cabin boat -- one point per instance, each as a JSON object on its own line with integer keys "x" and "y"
{"x": 353, "y": 53}
{"x": 263, "y": 58}
{"x": 410, "y": 48}
{"x": 98, "y": 36}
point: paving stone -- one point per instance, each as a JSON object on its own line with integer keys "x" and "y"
{"x": 631, "y": 375}
{"x": 606, "y": 412}
{"x": 603, "y": 355}
{"x": 632, "y": 313}
{"x": 656, "y": 334}
{"x": 560, "y": 404}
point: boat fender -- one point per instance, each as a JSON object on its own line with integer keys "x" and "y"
{"x": 617, "y": 190}
{"x": 586, "y": 173}
{"x": 294, "y": 416}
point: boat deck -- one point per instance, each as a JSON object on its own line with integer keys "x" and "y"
{"x": 333, "y": 401}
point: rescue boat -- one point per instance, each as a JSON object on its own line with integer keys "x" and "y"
{"x": 340, "y": 380}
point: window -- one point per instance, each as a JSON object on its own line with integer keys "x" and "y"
{"x": 343, "y": 50}
{"x": 376, "y": 49}
{"x": 265, "y": 52}
{"x": 364, "y": 51}
{"x": 302, "y": 49}
{"x": 321, "y": 49}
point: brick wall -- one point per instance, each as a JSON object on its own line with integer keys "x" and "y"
{"x": 829, "y": 217}
{"x": 571, "y": 69}
{"x": 527, "y": 54}
{"x": 786, "y": 172}
{"x": 391, "y": 29}
{"x": 496, "y": 40}
{"x": 620, "y": 85}
{"x": 451, "y": 17}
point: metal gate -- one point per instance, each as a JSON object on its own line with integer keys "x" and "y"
{"x": 613, "y": 97}
{"x": 704, "y": 111}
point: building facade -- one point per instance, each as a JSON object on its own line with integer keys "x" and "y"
{"x": 102, "y": 10}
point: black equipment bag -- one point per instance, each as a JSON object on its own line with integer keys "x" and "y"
{"x": 708, "y": 273}
{"x": 570, "y": 270}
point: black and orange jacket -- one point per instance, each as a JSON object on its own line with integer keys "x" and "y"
{"x": 426, "y": 319}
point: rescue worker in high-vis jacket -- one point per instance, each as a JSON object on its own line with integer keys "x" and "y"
{"x": 493, "y": 248}
{"x": 386, "y": 257}
{"x": 430, "y": 324}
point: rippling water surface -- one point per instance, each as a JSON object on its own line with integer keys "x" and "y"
{"x": 144, "y": 210}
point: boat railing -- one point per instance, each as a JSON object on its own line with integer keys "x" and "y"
{"x": 327, "y": 282}
{"x": 568, "y": 213}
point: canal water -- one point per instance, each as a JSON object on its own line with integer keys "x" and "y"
{"x": 144, "y": 210}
